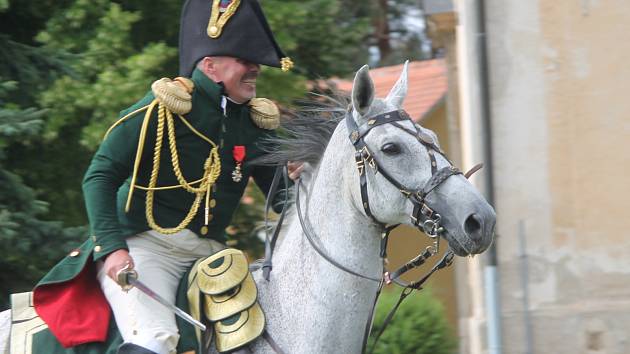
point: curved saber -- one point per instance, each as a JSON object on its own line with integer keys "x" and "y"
{"x": 128, "y": 278}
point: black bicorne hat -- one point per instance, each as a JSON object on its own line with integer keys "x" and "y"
{"x": 235, "y": 28}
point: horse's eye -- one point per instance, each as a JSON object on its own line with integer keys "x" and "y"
{"x": 391, "y": 149}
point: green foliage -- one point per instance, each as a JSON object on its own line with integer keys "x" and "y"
{"x": 15, "y": 123}
{"x": 28, "y": 244}
{"x": 419, "y": 326}
{"x": 106, "y": 73}
{"x": 319, "y": 35}
{"x": 31, "y": 68}
{"x": 283, "y": 87}
{"x": 112, "y": 74}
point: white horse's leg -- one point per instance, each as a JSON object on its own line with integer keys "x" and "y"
{"x": 5, "y": 330}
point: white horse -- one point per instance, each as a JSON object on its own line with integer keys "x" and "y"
{"x": 313, "y": 306}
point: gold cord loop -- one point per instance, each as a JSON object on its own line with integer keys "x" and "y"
{"x": 212, "y": 169}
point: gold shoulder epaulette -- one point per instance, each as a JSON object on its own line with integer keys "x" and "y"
{"x": 174, "y": 94}
{"x": 265, "y": 114}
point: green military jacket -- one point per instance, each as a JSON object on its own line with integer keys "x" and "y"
{"x": 107, "y": 180}
{"x": 112, "y": 166}
{"x": 106, "y": 185}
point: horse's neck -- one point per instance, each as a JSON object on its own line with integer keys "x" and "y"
{"x": 314, "y": 302}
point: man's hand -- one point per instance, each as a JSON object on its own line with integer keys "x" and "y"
{"x": 116, "y": 261}
{"x": 295, "y": 169}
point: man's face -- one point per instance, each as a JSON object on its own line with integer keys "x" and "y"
{"x": 238, "y": 76}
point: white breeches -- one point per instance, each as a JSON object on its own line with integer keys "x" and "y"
{"x": 160, "y": 261}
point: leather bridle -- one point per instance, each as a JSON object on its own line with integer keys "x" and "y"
{"x": 424, "y": 217}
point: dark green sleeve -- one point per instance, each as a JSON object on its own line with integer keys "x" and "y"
{"x": 110, "y": 167}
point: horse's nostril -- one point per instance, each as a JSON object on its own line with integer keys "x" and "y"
{"x": 472, "y": 225}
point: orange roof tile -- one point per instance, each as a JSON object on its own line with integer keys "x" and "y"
{"x": 427, "y": 84}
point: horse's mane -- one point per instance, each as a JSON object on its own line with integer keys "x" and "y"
{"x": 304, "y": 134}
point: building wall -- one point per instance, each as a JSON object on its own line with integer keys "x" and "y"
{"x": 559, "y": 74}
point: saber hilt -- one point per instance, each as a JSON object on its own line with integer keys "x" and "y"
{"x": 127, "y": 278}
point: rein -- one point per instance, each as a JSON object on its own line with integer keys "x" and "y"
{"x": 423, "y": 217}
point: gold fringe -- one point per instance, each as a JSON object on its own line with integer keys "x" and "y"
{"x": 212, "y": 169}
{"x": 264, "y": 113}
{"x": 173, "y": 94}
{"x": 141, "y": 140}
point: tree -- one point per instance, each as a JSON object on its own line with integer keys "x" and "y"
{"x": 28, "y": 244}
{"x": 397, "y": 31}
{"x": 419, "y": 326}
{"x": 107, "y": 74}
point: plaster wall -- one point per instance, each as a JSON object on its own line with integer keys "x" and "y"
{"x": 561, "y": 134}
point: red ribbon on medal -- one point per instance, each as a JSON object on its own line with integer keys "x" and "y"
{"x": 238, "y": 152}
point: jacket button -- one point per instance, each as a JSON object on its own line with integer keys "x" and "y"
{"x": 97, "y": 248}
{"x": 74, "y": 253}
{"x": 204, "y": 230}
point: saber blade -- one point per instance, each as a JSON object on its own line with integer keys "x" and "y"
{"x": 129, "y": 278}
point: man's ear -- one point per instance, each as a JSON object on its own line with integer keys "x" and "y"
{"x": 209, "y": 67}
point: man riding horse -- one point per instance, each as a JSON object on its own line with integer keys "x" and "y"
{"x": 166, "y": 181}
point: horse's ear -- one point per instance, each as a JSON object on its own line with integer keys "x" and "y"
{"x": 362, "y": 91}
{"x": 398, "y": 93}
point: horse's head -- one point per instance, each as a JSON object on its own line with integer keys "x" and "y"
{"x": 406, "y": 178}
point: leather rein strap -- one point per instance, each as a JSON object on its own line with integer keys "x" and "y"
{"x": 270, "y": 242}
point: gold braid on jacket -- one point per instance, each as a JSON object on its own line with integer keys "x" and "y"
{"x": 212, "y": 165}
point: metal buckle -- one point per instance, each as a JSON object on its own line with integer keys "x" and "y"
{"x": 426, "y": 211}
{"x": 360, "y": 161}
{"x": 372, "y": 164}
{"x": 361, "y": 167}
{"x": 367, "y": 157}
{"x": 432, "y": 227}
